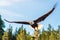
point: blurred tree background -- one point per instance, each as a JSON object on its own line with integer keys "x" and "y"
{"x": 21, "y": 34}
{"x": 1, "y": 28}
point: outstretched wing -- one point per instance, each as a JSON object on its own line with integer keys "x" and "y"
{"x": 19, "y": 22}
{"x": 44, "y": 16}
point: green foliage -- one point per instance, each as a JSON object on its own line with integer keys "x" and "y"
{"x": 1, "y": 28}
{"x": 10, "y": 32}
{"x": 5, "y": 36}
{"x": 20, "y": 34}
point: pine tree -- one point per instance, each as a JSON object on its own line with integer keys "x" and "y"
{"x": 58, "y": 32}
{"x": 39, "y": 34}
{"x": 59, "y": 29}
{"x": 1, "y": 28}
{"x": 49, "y": 31}
{"x": 28, "y": 36}
{"x": 15, "y": 34}
{"x": 10, "y": 32}
{"x": 5, "y": 36}
{"x": 43, "y": 34}
{"x": 21, "y": 34}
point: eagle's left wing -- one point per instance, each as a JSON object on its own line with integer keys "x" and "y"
{"x": 19, "y": 22}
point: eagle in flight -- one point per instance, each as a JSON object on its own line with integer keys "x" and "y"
{"x": 34, "y": 23}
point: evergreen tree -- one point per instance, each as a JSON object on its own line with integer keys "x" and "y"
{"x": 49, "y": 31}
{"x": 39, "y": 32}
{"x": 14, "y": 37}
{"x": 1, "y": 28}
{"x": 28, "y": 36}
{"x": 5, "y": 36}
{"x": 58, "y": 32}
{"x": 59, "y": 29}
{"x": 15, "y": 34}
{"x": 43, "y": 34}
{"x": 10, "y": 32}
{"x": 21, "y": 34}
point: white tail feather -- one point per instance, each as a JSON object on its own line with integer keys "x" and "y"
{"x": 39, "y": 27}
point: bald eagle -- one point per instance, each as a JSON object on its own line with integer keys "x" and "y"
{"x": 34, "y": 23}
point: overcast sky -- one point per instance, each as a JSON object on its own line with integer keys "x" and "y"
{"x": 28, "y": 10}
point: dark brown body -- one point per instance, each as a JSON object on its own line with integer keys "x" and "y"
{"x": 34, "y": 25}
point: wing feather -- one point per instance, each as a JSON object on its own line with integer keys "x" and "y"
{"x": 45, "y": 15}
{"x": 19, "y": 22}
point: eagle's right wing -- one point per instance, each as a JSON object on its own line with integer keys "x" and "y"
{"x": 45, "y": 15}
{"x": 19, "y": 22}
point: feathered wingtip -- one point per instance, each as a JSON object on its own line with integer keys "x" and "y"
{"x": 7, "y": 21}
{"x": 55, "y": 5}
